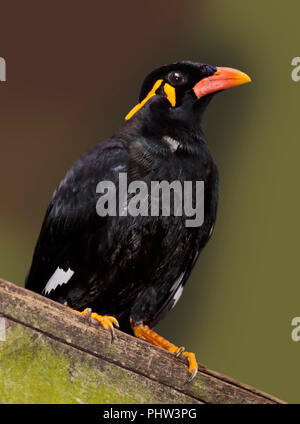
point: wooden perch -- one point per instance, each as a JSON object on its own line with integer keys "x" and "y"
{"x": 52, "y": 355}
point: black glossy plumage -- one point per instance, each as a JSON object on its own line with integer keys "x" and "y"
{"x": 129, "y": 266}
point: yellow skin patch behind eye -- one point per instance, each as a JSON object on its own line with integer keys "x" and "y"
{"x": 171, "y": 94}
{"x": 140, "y": 105}
{"x": 168, "y": 89}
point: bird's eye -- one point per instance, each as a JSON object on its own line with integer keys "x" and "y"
{"x": 176, "y": 78}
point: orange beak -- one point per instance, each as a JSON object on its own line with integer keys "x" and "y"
{"x": 222, "y": 79}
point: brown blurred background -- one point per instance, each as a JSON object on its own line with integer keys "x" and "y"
{"x": 74, "y": 70}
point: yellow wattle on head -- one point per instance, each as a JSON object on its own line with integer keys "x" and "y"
{"x": 168, "y": 89}
{"x": 141, "y": 104}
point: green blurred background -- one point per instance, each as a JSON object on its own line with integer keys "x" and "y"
{"x": 74, "y": 70}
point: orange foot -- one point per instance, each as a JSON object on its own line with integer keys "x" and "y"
{"x": 144, "y": 332}
{"x": 107, "y": 322}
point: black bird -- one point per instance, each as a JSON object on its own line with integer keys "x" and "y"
{"x": 131, "y": 270}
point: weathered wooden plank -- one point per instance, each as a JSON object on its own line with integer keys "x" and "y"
{"x": 35, "y": 368}
{"x": 135, "y": 362}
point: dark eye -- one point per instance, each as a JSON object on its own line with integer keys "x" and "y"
{"x": 176, "y": 78}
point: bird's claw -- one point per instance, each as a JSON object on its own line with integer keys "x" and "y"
{"x": 107, "y": 322}
{"x": 191, "y": 377}
{"x": 180, "y": 350}
{"x": 87, "y": 313}
{"x": 193, "y": 366}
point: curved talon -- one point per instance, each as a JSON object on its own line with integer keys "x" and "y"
{"x": 107, "y": 323}
{"x": 87, "y": 313}
{"x": 112, "y": 332}
{"x": 181, "y": 349}
{"x": 193, "y": 366}
{"x": 191, "y": 377}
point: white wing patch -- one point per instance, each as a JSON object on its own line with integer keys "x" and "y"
{"x": 177, "y": 282}
{"x": 172, "y": 143}
{"x": 178, "y": 287}
{"x": 57, "y": 279}
{"x": 177, "y": 295}
{"x": 118, "y": 168}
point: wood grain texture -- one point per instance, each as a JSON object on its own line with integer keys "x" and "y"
{"x": 55, "y": 356}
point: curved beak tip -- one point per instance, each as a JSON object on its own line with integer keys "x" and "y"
{"x": 233, "y": 75}
{"x": 243, "y": 78}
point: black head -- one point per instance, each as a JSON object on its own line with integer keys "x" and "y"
{"x": 181, "y": 75}
{"x": 181, "y": 91}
